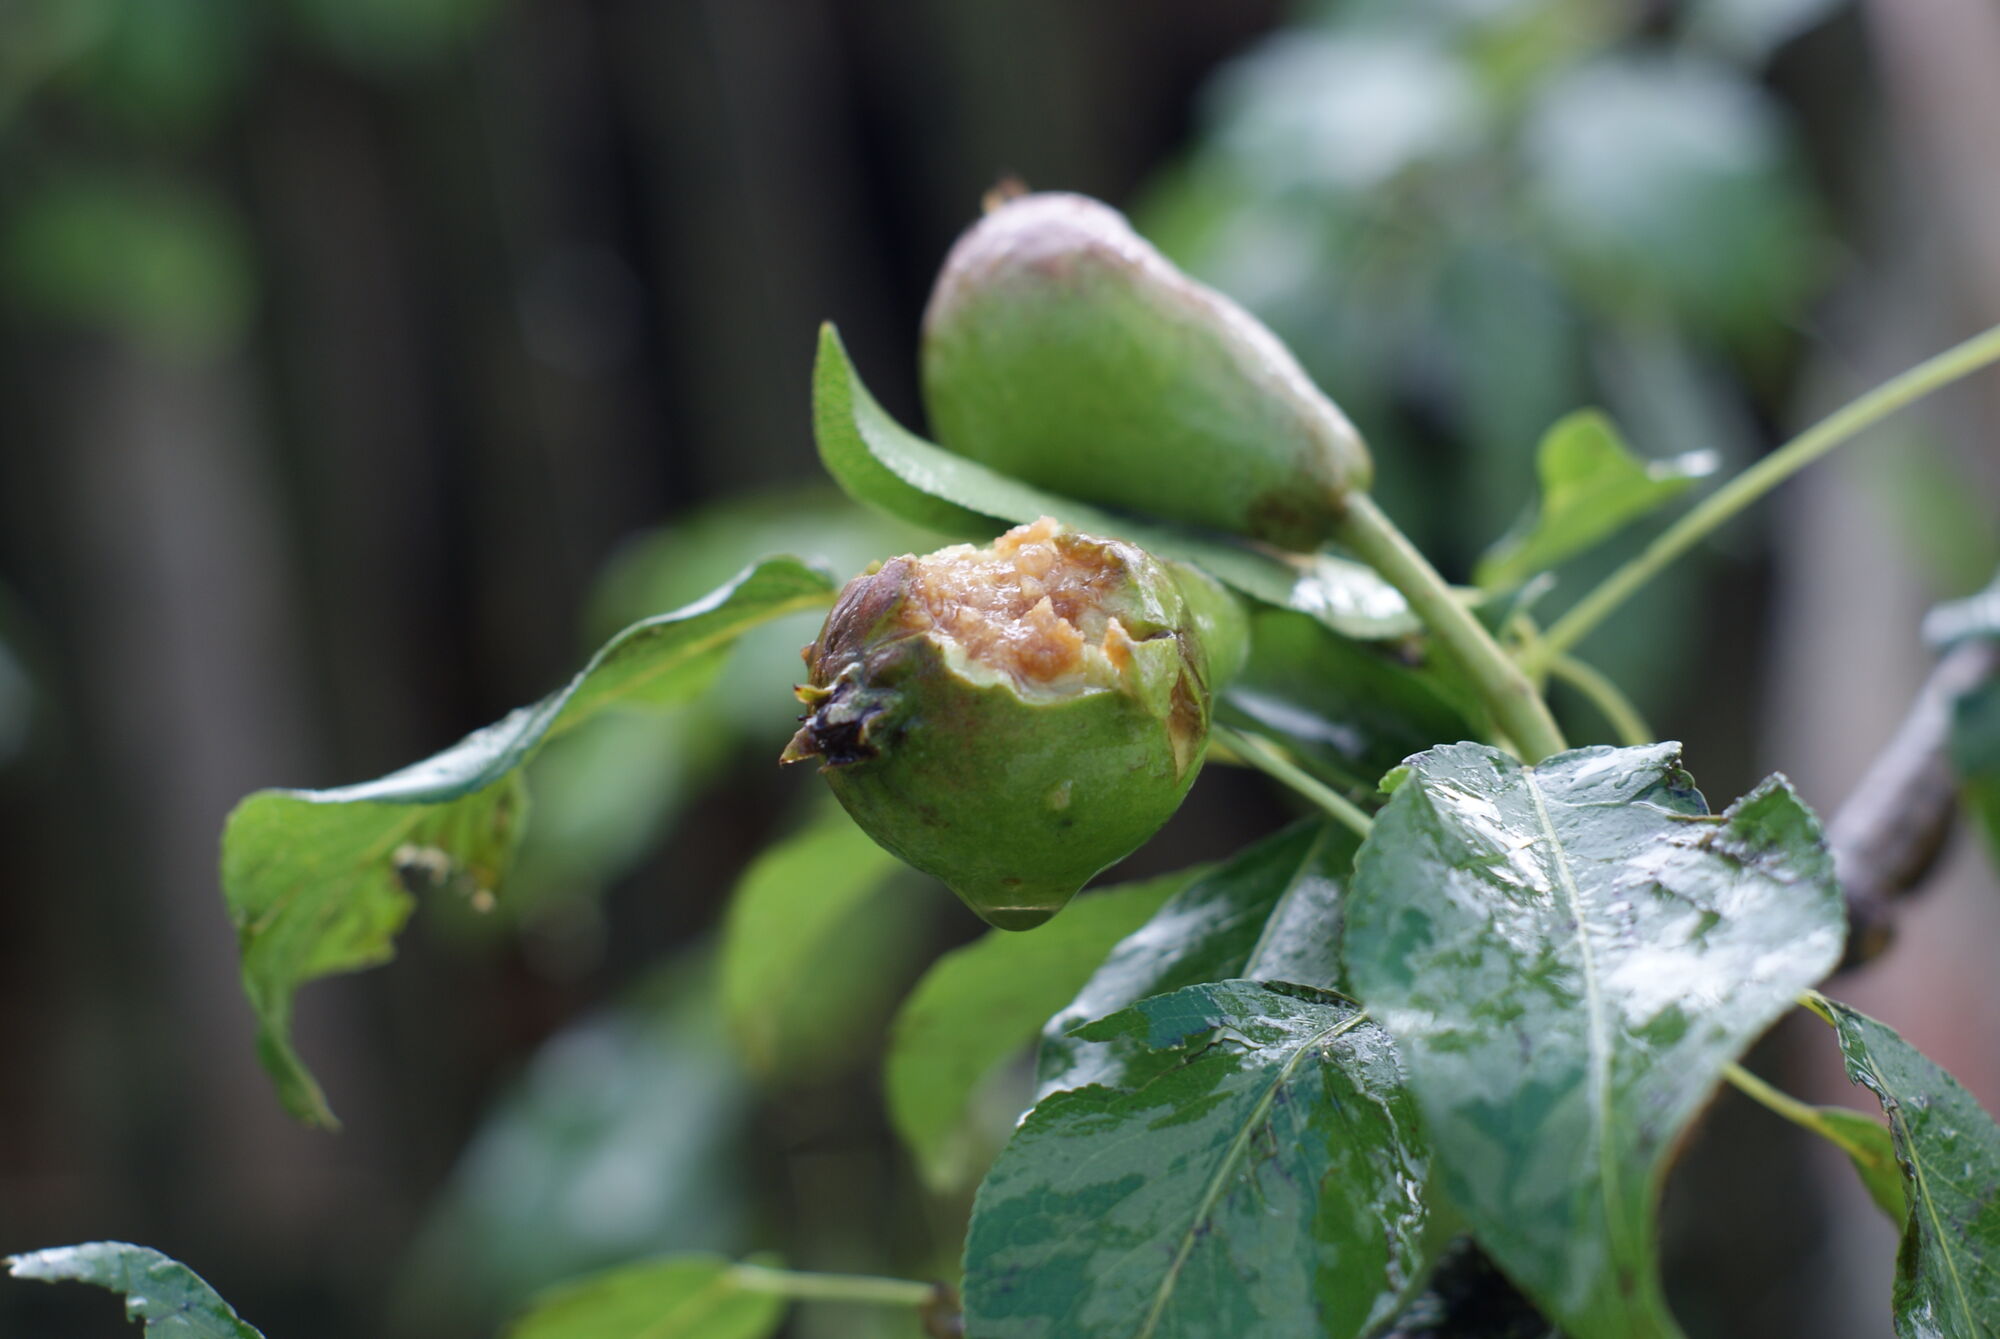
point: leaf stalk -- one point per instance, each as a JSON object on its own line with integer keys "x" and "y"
{"x": 1508, "y": 693}
{"x": 1955, "y": 363}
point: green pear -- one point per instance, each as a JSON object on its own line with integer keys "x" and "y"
{"x": 1060, "y": 347}
{"x": 1013, "y": 719}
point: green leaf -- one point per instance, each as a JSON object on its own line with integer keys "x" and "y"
{"x": 623, "y": 1137}
{"x": 1868, "y": 1145}
{"x": 884, "y": 465}
{"x": 1349, "y": 709}
{"x": 797, "y": 978}
{"x": 169, "y": 1297}
{"x": 1272, "y": 913}
{"x": 161, "y": 262}
{"x": 1568, "y": 956}
{"x": 1976, "y": 615}
{"x": 320, "y": 881}
{"x": 1975, "y": 755}
{"x": 683, "y": 1297}
{"x": 984, "y": 1002}
{"x": 1592, "y": 486}
{"x": 1250, "y": 1167}
{"x": 1948, "y": 1270}
{"x": 1671, "y": 180}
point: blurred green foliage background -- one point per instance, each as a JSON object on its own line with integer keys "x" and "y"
{"x": 364, "y": 362}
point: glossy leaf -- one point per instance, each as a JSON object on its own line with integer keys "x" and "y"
{"x": 881, "y": 463}
{"x": 1948, "y": 1270}
{"x": 984, "y": 1002}
{"x": 1568, "y": 956}
{"x": 794, "y": 1005}
{"x": 1251, "y": 1167}
{"x": 170, "y": 1298}
{"x": 320, "y": 881}
{"x": 1592, "y": 486}
{"x": 1271, "y": 913}
{"x": 1351, "y": 710}
{"x": 682, "y": 1297}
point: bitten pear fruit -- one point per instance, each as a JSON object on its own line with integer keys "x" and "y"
{"x": 1060, "y": 347}
{"x": 1015, "y": 718}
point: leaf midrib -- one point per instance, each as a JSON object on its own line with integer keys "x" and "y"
{"x": 1600, "y": 1049}
{"x": 1230, "y": 1159}
{"x": 1902, "y": 1126}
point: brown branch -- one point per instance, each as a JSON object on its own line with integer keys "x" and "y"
{"x": 1889, "y": 833}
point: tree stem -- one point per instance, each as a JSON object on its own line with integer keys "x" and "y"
{"x": 1606, "y": 696}
{"x": 1517, "y": 708}
{"x": 1272, "y": 761}
{"x": 1720, "y": 506}
{"x": 832, "y": 1287}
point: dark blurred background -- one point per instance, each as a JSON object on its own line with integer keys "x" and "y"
{"x": 354, "y": 353}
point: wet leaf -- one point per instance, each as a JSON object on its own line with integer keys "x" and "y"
{"x": 1270, "y": 913}
{"x": 320, "y": 881}
{"x": 984, "y": 1002}
{"x": 1250, "y": 1167}
{"x": 1948, "y": 1270}
{"x": 170, "y": 1298}
{"x": 1568, "y": 956}
{"x": 1592, "y": 485}
{"x": 1350, "y": 709}
{"x": 884, "y": 465}
{"x": 682, "y": 1297}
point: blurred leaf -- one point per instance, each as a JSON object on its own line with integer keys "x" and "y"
{"x": 1975, "y": 756}
{"x": 1592, "y": 486}
{"x": 1670, "y": 180}
{"x": 319, "y": 882}
{"x": 392, "y": 36}
{"x": 1952, "y": 622}
{"x": 984, "y": 1002}
{"x": 160, "y": 262}
{"x": 620, "y": 1139}
{"x": 1948, "y": 1270}
{"x": 1868, "y": 1145}
{"x": 1502, "y": 325}
{"x": 782, "y": 981}
{"x": 1938, "y": 507}
{"x": 667, "y": 567}
{"x": 1568, "y": 956}
{"x": 684, "y": 1297}
{"x": 1250, "y": 1165}
{"x": 1352, "y": 710}
{"x": 168, "y": 1296}
{"x": 605, "y": 793}
{"x": 43, "y": 36}
{"x": 168, "y": 66}
{"x": 1271, "y": 912}
{"x": 1752, "y": 30}
{"x": 1342, "y": 113}
{"x": 881, "y": 464}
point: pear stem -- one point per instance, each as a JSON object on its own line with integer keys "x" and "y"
{"x": 1517, "y": 708}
